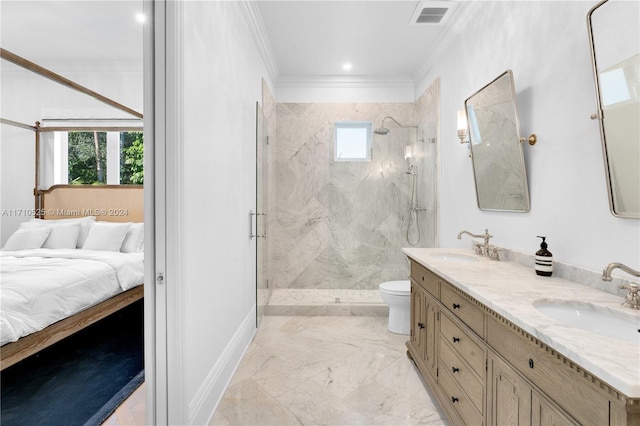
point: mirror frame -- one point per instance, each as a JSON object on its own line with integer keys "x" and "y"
{"x": 599, "y": 116}
{"x": 517, "y": 140}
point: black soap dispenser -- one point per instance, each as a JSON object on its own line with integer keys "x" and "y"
{"x": 544, "y": 260}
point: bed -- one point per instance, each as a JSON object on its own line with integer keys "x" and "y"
{"x": 44, "y": 281}
{"x": 54, "y": 290}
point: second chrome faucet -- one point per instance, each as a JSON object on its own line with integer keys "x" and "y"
{"x": 632, "y": 299}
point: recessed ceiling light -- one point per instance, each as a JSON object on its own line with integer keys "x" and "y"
{"x": 347, "y": 66}
{"x": 140, "y": 17}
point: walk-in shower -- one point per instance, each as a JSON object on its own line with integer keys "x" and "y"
{"x": 413, "y": 172}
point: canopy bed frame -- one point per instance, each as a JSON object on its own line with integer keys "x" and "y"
{"x": 114, "y": 203}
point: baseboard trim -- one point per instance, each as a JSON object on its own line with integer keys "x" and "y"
{"x": 204, "y": 403}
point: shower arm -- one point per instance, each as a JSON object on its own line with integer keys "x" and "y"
{"x": 395, "y": 121}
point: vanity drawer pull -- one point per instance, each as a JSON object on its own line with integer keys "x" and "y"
{"x": 456, "y": 339}
{"x": 454, "y": 399}
{"x": 454, "y": 369}
{"x": 530, "y": 363}
{"x": 456, "y": 306}
{"x": 420, "y": 325}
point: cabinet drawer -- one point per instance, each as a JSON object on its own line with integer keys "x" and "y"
{"x": 459, "y": 400}
{"x": 462, "y": 343}
{"x": 551, "y": 373}
{"x": 428, "y": 280}
{"x": 467, "y": 311}
{"x": 462, "y": 374}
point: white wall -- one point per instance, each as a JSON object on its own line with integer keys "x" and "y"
{"x": 17, "y": 151}
{"x": 222, "y": 81}
{"x": 546, "y": 46}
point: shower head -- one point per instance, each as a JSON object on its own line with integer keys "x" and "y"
{"x": 384, "y": 131}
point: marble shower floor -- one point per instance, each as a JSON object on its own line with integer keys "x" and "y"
{"x": 326, "y": 370}
{"x": 315, "y": 302}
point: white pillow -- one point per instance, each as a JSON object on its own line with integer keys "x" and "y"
{"x": 134, "y": 239}
{"x": 106, "y": 236}
{"x": 63, "y": 236}
{"x": 26, "y": 239}
{"x": 85, "y": 225}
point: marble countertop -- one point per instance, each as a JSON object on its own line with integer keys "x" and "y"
{"x": 513, "y": 290}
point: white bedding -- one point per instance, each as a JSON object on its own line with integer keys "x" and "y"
{"x": 42, "y": 286}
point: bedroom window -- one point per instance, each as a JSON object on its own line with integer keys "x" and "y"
{"x": 353, "y": 141}
{"x": 87, "y": 157}
{"x": 101, "y": 158}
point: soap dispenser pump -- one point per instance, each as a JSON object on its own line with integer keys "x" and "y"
{"x": 544, "y": 260}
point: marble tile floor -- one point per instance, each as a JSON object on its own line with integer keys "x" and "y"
{"x": 316, "y": 302}
{"x": 326, "y": 370}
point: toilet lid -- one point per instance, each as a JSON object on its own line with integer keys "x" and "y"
{"x": 399, "y": 288}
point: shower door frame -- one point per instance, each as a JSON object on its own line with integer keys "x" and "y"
{"x": 262, "y": 206}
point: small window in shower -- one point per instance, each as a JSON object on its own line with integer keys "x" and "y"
{"x": 353, "y": 141}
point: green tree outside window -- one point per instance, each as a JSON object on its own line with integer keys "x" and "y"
{"x": 131, "y": 158}
{"x": 88, "y": 158}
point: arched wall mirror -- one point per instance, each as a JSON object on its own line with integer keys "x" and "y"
{"x": 496, "y": 152}
{"x": 615, "y": 46}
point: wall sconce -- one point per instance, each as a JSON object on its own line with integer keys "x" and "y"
{"x": 462, "y": 126}
{"x": 408, "y": 152}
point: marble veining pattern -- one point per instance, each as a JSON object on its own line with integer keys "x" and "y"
{"x": 342, "y": 224}
{"x": 512, "y": 290}
{"x": 326, "y": 371}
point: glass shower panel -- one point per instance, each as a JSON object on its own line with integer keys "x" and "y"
{"x": 262, "y": 208}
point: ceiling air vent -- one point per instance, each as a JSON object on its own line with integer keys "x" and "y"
{"x": 431, "y": 15}
{"x": 433, "y": 12}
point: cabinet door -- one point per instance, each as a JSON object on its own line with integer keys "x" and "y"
{"x": 424, "y": 331}
{"x": 417, "y": 322}
{"x": 510, "y": 396}
{"x": 431, "y": 331}
{"x": 547, "y": 414}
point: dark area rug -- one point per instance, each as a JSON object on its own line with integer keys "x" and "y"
{"x": 80, "y": 380}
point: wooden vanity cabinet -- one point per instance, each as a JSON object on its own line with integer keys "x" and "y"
{"x": 485, "y": 370}
{"x": 448, "y": 353}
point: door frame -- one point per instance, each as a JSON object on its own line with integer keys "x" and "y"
{"x": 163, "y": 127}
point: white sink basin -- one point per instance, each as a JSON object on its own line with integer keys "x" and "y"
{"x": 593, "y": 318}
{"x": 454, "y": 257}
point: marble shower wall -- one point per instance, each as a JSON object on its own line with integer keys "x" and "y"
{"x": 341, "y": 224}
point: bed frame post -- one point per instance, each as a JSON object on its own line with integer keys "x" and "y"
{"x": 36, "y": 190}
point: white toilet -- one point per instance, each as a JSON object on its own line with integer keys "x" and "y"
{"x": 397, "y": 294}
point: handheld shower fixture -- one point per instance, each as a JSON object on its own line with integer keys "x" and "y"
{"x": 384, "y": 131}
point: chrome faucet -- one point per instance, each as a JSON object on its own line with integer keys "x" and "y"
{"x": 485, "y": 237}
{"x": 632, "y": 299}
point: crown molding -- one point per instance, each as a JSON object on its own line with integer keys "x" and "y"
{"x": 259, "y": 33}
{"x": 341, "y": 82}
{"x": 463, "y": 14}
